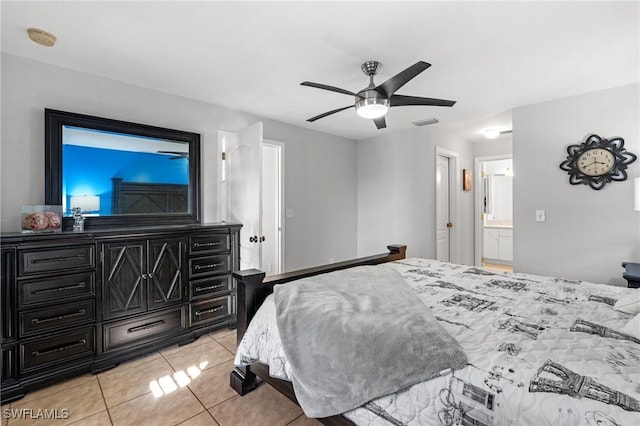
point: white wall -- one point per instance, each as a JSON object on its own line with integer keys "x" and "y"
{"x": 501, "y": 146}
{"x": 587, "y": 233}
{"x": 396, "y": 193}
{"x": 320, "y": 175}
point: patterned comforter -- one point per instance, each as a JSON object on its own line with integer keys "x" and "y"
{"x": 541, "y": 350}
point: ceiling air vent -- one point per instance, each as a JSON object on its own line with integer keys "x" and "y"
{"x": 425, "y": 122}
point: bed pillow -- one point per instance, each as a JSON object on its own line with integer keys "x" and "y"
{"x": 629, "y": 303}
{"x": 633, "y": 327}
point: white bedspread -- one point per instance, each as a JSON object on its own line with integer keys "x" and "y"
{"x": 542, "y": 351}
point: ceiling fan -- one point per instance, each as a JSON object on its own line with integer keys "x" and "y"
{"x": 176, "y": 154}
{"x": 373, "y": 101}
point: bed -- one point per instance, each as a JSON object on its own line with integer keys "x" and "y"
{"x": 148, "y": 198}
{"x": 537, "y": 350}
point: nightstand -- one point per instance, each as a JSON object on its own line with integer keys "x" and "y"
{"x": 631, "y": 274}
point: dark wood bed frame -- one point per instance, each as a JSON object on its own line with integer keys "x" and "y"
{"x": 253, "y": 288}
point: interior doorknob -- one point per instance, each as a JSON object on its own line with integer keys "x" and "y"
{"x": 253, "y": 239}
{"x": 262, "y": 238}
{"x": 449, "y": 225}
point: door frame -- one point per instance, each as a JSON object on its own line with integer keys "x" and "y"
{"x": 477, "y": 210}
{"x": 454, "y": 182}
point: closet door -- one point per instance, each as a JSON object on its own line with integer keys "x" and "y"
{"x": 443, "y": 209}
{"x": 244, "y": 173}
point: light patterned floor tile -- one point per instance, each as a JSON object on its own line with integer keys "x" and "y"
{"x": 205, "y": 355}
{"x": 100, "y": 419}
{"x": 167, "y": 410}
{"x": 213, "y": 378}
{"x": 229, "y": 342}
{"x": 170, "y": 350}
{"x": 132, "y": 363}
{"x": 57, "y": 387}
{"x": 125, "y": 384}
{"x": 202, "y": 419}
{"x": 263, "y": 406}
{"x": 79, "y": 402}
{"x": 222, "y": 332}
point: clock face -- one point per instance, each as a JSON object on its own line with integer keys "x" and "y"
{"x": 595, "y": 162}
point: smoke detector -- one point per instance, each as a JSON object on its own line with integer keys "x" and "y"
{"x": 42, "y": 37}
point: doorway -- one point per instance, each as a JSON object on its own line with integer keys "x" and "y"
{"x": 494, "y": 213}
{"x": 272, "y": 206}
{"x": 446, "y": 166}
{"x": 252, "y": 193}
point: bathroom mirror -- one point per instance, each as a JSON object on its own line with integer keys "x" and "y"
{"x": 120, "y": 173}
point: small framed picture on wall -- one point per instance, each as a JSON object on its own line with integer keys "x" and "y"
{"x": 466, "y": 180}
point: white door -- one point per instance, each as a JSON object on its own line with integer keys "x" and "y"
{"x": 443, "y": 208}
{"x": 244, "y": 187}
{"x": 272, "y": 154}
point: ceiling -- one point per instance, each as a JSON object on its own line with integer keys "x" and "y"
{"x": 490, "y": 57}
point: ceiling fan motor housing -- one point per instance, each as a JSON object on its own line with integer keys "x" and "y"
{"x": 370, "y": 103}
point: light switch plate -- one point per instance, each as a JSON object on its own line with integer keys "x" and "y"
{"x": 540, "y": 216}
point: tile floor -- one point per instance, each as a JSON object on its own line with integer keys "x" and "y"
{"x": 180, "y": 385}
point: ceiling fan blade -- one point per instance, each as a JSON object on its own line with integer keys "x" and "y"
{"x": 317, "y": 117}
{"x": 401, "y": 100}
{"x": 330, "y": 88}
{"x": 381, "y": 123}
{"x": 390, "y": 86}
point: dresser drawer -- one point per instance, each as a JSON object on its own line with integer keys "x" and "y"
{"x": 146, "y": 327}
{"x": 62, "y": 315}
{"x": 65, "y": 287}
{"x": 209, "y": 243}
{"x": 210, "y": 311}
{"x": 202, "y": 266}
{"x": 55, "y": 259}
{"x": 55, "y": 349}
{"x": 207, "y": 287}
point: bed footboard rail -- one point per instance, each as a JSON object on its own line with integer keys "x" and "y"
{"x": 253, "y": 288}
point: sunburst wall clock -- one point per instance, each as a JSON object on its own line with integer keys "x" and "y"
{"x": 597, "y": 161}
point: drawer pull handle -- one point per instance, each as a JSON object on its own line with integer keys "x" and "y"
{"x": 213, "y": 265}
{"x": 145, "y": 326}
{"x": 211, "y": 287}
{"x": 206, "y": 244}
{"x": 59, "y": 348}
{"x": 209, "y": 311}
{"x": 53, "y": 290}
{"x": 59, "y": 259}
{"x": 59, "y": 317}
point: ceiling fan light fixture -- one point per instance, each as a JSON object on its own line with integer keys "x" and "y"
{"x": 372, "y": 108}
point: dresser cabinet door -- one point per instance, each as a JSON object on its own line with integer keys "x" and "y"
{"x": 166, "y": 274}
{"x": 123, "y": 278}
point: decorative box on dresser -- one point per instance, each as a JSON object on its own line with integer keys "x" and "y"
{"x": 74, "y": 302}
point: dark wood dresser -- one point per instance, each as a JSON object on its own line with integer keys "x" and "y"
{"x": 79, "y": 302}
